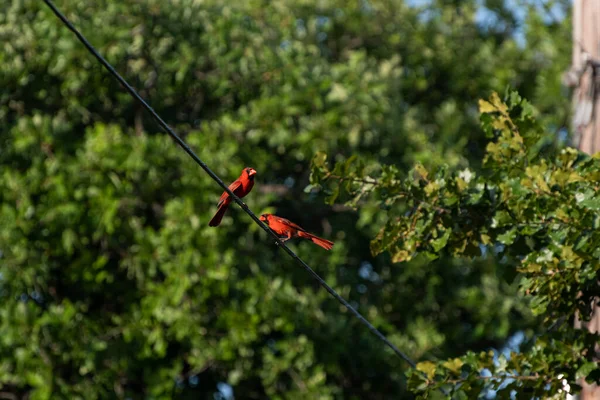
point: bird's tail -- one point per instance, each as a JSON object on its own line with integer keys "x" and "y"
{"x": 216, "y": 220}
{"x": 324, "y": 243}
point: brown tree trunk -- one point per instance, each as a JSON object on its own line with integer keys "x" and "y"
{"x": 584, "y": 76}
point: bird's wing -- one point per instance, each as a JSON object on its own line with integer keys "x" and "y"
{"x": 233, "y": 187}
{"x": 289, "y": 223}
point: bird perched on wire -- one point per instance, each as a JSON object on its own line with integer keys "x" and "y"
{"x": 287, "y": 230}
{"x": 240, "y": 187}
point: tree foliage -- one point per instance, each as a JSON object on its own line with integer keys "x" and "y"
{"x": 111, "y": 283}
{"x": 533, "y": 207}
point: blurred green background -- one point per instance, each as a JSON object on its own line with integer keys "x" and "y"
{"x": 111, "y": 283}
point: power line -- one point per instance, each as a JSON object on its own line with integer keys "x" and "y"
{"x": 214, "y": 176}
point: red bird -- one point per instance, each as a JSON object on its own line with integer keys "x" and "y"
{"x": 287, "y": 229}
{"x": 241, "y": 187}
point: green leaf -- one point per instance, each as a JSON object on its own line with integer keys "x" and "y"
{"x": 586, "y": 369}
{"x": 494, "y": 104}
{"x": 439, "y": 243}
{"x": 428, "y": 368}
{"x": 320, "y": 159}
{"x": 69, "y": 239}
{"x": 454, "y": 365}
{"x": 592, "y": 203}
{"x": 508, "y": 237}
{"x": 338, "y": 93}
{"x": 35, "y": 379}
{"x": 420, "y": 172}
{"x": 333, "y": 195}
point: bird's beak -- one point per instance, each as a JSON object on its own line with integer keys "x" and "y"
{"x": 252, "y": 172}
{"x": 263, "y": 218}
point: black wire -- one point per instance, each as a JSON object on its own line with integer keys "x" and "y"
{"x": 188, "y": 150}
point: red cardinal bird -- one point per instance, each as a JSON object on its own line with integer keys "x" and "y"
{"x": 287, "y": 229}
{"x": 241, "y": 187}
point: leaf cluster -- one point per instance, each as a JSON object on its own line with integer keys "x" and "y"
{"x": 533, "y": 206}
